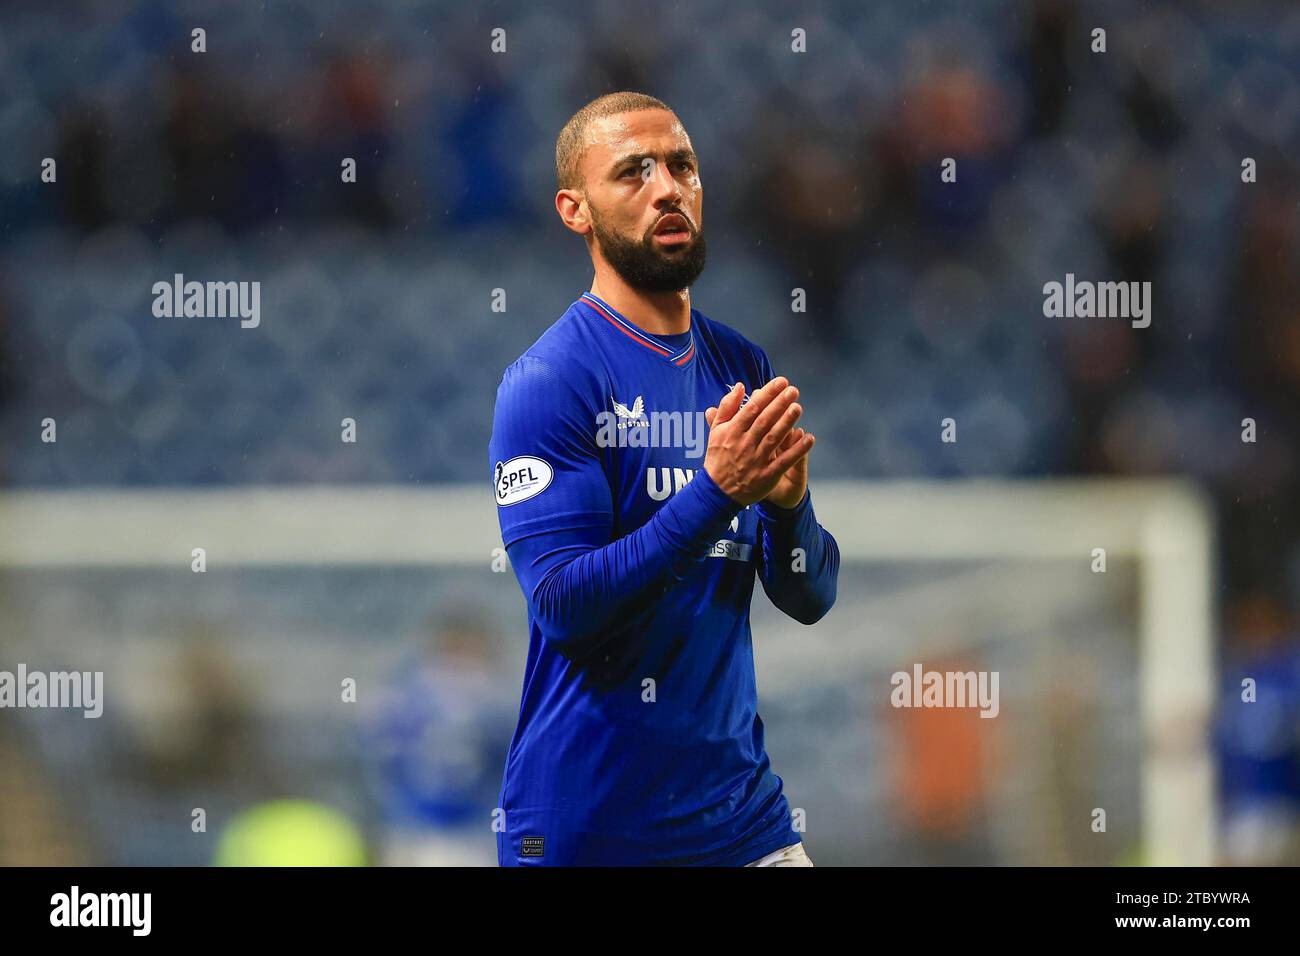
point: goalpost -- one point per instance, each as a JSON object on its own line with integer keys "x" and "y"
{"x": 1163, "y": 528}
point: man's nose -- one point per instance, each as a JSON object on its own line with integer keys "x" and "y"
{"x": 665, "y": 185}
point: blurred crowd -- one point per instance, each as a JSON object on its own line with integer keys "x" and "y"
{"x": 822, "y": 172}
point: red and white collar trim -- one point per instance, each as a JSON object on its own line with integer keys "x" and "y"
{"x": 679, "y": 357}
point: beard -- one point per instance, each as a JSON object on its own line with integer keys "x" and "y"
{"x": 643, "y": 265}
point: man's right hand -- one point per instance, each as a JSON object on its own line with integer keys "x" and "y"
{"x": 742, "y": 441}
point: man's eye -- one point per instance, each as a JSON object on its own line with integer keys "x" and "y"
{"x": 630, "y": 171}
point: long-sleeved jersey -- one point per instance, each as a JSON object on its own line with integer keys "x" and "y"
{"x": 639, "y": 740}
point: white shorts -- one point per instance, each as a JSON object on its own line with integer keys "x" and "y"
{"x": 792, "y": 855}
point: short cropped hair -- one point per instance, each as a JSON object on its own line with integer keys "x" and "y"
{"x": 572, "y": 141}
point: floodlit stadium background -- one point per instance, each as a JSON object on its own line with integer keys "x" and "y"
{"x": 373, "y": 561}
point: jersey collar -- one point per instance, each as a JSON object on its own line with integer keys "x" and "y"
{"x": 680, "y": 357}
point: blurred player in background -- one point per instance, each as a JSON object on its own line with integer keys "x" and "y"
{"x": 639, "y": 740}
{"x": 1257, "y": 734}
{"x": 437, "y": 739}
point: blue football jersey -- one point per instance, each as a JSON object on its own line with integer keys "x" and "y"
{"x": 639, "y": 740}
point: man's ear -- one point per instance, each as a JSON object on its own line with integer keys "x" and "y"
{"x": 573, "y": 210}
